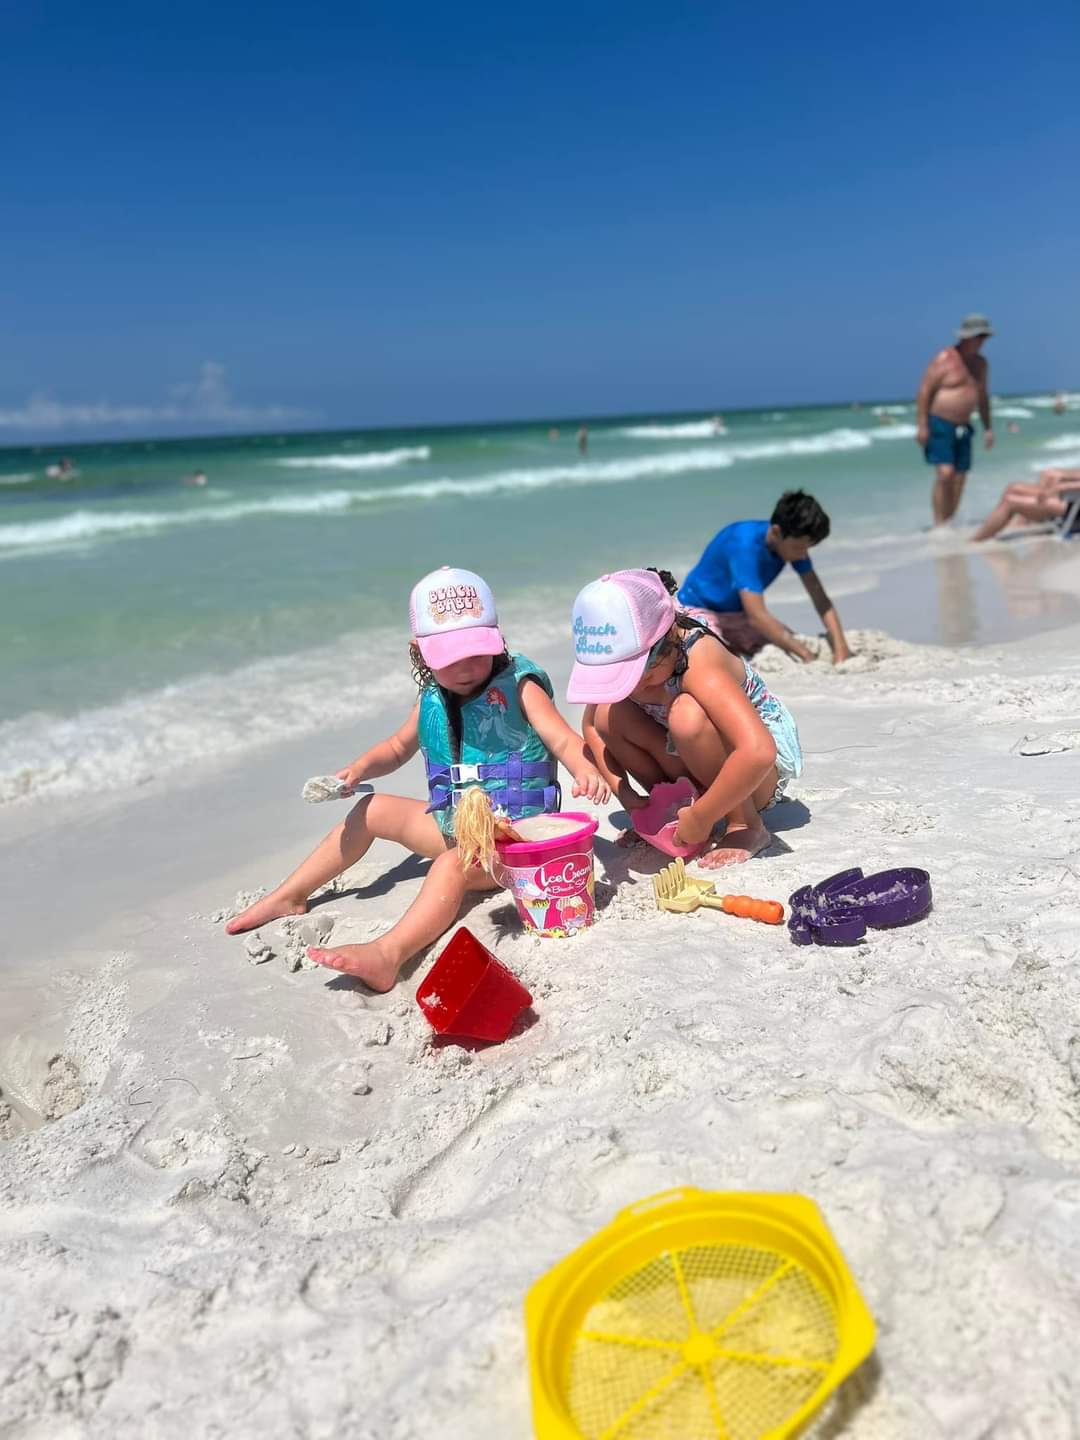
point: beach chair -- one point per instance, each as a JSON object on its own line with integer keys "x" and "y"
{"x": 1069, "y": 524}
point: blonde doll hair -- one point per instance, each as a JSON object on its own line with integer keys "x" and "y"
{"x": 476, "y": 827}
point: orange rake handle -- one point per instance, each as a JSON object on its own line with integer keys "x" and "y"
{"x": 769, "y": 912}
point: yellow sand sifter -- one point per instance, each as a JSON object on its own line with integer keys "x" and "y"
{"x": 695, "y": 1315}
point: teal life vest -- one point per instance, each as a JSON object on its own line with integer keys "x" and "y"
{"x": 498, "y": 748}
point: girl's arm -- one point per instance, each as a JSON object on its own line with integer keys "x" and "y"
{"x": 388, "y": 755}
{"x": 567, "y": 746}
{"x": 750, "y": 748}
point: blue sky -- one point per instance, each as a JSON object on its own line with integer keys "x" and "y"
{"x": 234, "y": 216}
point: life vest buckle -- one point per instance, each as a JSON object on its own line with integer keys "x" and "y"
{"x": 464, "y": 774}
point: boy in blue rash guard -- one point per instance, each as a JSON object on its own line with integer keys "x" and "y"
{"x": 483, "y": 717}
{"x": 726, "y": 588}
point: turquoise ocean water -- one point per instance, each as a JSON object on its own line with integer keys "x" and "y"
{"x": 145, "y": 623}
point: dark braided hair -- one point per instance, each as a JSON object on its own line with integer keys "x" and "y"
{"x": 683, "y": 621}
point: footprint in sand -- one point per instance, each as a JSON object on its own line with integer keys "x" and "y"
{"x": 63, "y": 1089}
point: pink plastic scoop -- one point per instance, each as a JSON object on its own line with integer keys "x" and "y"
{"x": 657, "y": 821}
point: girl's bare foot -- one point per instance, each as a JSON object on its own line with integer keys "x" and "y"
{"x": 739, "y": 843}
{"x": 371, "y": 963}
{"x": 270, "y": 907}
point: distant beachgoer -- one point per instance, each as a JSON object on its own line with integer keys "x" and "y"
{"x": 199, "y": 478}
{"x": 1059, "y": 403}
{"x": 725, "y": 589}
{"x": 480, "y": 709}
{"x": 884, "y": 418}
{"x": 583, "y": 439}
{"x": 718, "y": 425}
{"x": 64, "y": 471}
{"x": 955, "y": 384}
{"x": 553, "y": 433}
{"x": 1023, "y": 504}
{"x": 1013, "y": 428}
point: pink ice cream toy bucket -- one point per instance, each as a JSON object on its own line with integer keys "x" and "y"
{"x": 550, "y": 872}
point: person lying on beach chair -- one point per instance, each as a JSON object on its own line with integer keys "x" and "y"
{"x": 726, "y": 588}
{"x": 1056, "y": 497}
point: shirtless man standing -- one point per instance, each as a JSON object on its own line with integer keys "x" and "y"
{"x": 955, "y": 383}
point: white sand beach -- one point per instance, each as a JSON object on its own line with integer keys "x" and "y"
{"x": 242, "y": 1196}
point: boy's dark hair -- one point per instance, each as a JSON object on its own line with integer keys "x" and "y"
{"x": 799, "y": 516}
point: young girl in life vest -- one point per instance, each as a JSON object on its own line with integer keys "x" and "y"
{"x": 484, "y": 716}
{"x": 665, "y": 697}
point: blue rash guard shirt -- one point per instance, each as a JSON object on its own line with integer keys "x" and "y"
{"x": 735, "y": 559}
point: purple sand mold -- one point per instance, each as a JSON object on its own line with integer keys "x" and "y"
{"x": 839, "y": 909}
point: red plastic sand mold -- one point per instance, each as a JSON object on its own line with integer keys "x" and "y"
{"x": 469, "y": 994}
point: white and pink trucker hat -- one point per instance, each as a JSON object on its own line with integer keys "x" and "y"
{"x": 616, "y": 622}
{"x": 452, "y": 616}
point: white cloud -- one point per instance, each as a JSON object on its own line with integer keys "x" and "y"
{"x": 206, "y": 400}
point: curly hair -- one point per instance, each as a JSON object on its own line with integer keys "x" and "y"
{"x": 421, "y": 671}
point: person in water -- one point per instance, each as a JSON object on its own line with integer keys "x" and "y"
{"x": 726, "y": 588}
{"x": 484, "y": 716}
{"x": 955, "y": 384}
{"x": 664, "y": 698}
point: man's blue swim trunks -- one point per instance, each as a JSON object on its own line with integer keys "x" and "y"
{"x": 949, "y": 444}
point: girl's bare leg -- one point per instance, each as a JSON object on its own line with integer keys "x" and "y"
{"x": 704, "y": 751}
{"x": 432, "y": 912}
{"x": 376, "y": 817}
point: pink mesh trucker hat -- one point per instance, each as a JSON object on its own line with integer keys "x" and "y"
{"x": 616, "y": 622}
{"x": 452, "y": 616}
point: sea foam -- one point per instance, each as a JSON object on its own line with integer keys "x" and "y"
{"x": 83, "y": 526}
{"x": 158, "y": 735}
{"x": 365, "y": 460}
{"x": 685, "y": 430}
